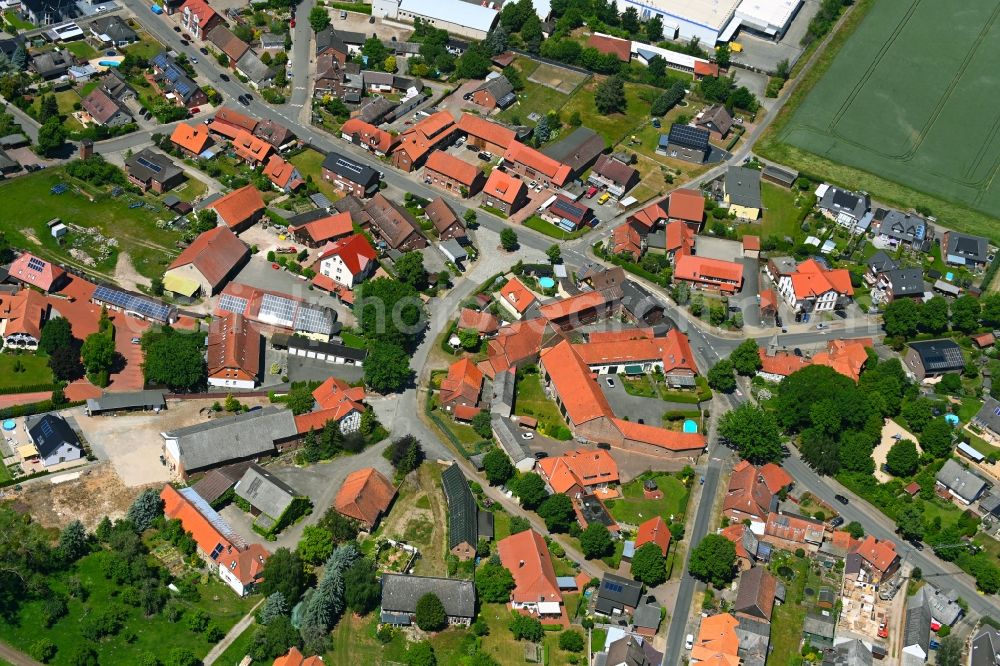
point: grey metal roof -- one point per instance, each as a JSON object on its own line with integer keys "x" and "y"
{"x": 509, "y": 439}
{"x": 917, "y": 625}
{"x": 265, "y": 491}
{"x": 906, "y": 281}
{"x": 503, "y": 394}
{"x": 616, "y": 592}
{"x": 48, "y": 432}
{"x": 943, "y": 605}
{"x": 485, "y": 518}
{"x": 990, "y": 504}
{"x": 881, "y": 262}
{"x": 114, "y": 28}
{"x": 133, "y": 400}
{"x": 354, "y": 171}
{"x": 253, "y": 68}
{"x": 216, "y": 482}
{"x": 498, "y": 86}
{"x": 743, "y": 186}
{"x": 400, "y": 594}
{"x": 939, "y": 355}
{"x": 839, "y": 201}
{"x": 579, "y": 149}
{"x": 463, "y": 521}
{"x": 985, "y": 649}
{"x": 329, "y": 39}
{"x": 961, "y": 481}
{"x": 647, "y": 616}
{"x": 781, "y": 174}
{"x": 903, "y": 227}
{"x": 754, "y": 636}
{"x": 452, "y": 248}
{"x": 227, "y": 438}
{"x": 819, "y": 625}
{"x": 851, "y": 653}
{"x": 148, "y": 164}
{"x": 966, "y": 246}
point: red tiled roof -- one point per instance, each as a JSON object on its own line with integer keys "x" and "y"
{"x": 327, "y": 228}
{"x": 582, "y": 399}
{"x": 621, "y": 48}
{"x": 780, "y": 363}
{"x": 751, "y": 243}
{"x": 23, "y": 313}
{"x": 649, "y": 216}
{"x": 238, "y": 206}
{"x": 464, "y": 382}
{"x": 483, "y": 129}
{"x": 573, "y": 305}
{"x": 847, "y": 357}
{"x": 654, "y": 530}
{"x": 201, "y": 9}
{"x": 251, "y": 148}
{"x": 214, "y": 253}
{"x": 369, "y": 135}
{"x": 236, "y": 119}
{"x": 452, "y": 167}
{"x": 295, "y": 658}
{"x": 674, "y": 350}
{"x": 680, "y": 237}
{"x": 228, "y": 42}
{"x": 504, "y": 187}
{"x": 282, "y": 173}
{"x": 735, "y": 533}
{"x": 554, "y": 170}
{"x": 794, "y": 528}
{"x": 465, "y": 412}
{"x": 625, "y": 238}
{"x": 656, "y": 436}
{"x": 717, "y": 643}
{"x": 880, "y": 555}
{"x": 355, "y": 251}
{"x": 621, "y": 335}
{"x": 685, "y": 204}
{"x": 768, "y": 299}
{"x": 517, "y": 295}
{"x": 482, "y": 322}
{"x": 365, "y": 495}
{"x": 583, "y": 467}
{"x": 704, "y": 68}
{"x": 514, "y": 343}
{"x": 192, "y": 139}
{"x": 228, "y": 131}
{"x": 233, "y": 348}
{"x": 751, "y": 489}
{"x": 983, "y": 339}
{"x": 335, "y": 399}
{"x": 22, "y": 270}
{"x": 421, "y": 138}
{"x": 712, "y": 271}
{"x": 810, "y": 279}
{"x": 527, "y": 558}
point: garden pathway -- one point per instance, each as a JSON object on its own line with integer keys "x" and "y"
{"x": 230, "y": 637}
{"x": 16, "y": 657}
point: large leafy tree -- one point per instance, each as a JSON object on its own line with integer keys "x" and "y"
{"x": 934, "y": 316}
{"x": 319, "y": 19}
{"x": 610, "y": 96}
{"x": 145, "y": 509}
{"x": 965, "y": 313}
{"x": 557, "y": 512}
{"x": 410, "y": 268}
{"x": 910, "y": 522}
{"x": 497, "y": 466}
{"x": 713, "y": 560}
{"x": 746, "y": 357}
{"x": 494, "y": 582}
{"x": 648, "y": 565}
{"x": 508, "y": 239}
{"x": 754, "y": 431}
{"x": 936, "y": 437}
{"x": 902, "y": 458}
{"x": 387, "y": 367}
{"x": 51, "y": 136}
{"x": 720, "y": 376}
{"x": 361, "y": 587}
{"x": 174, "y": 359}
{"x": 283, "y": 572}
{"x": 430, "y": 614}
{"x": 596, "y": 541}
{"x": 390, "y": 311}
{"x": 902, "y": 317}
{"x": 57, "y": 332}
{"x": 98, "y": 353}
{"x": 530, "y": 489}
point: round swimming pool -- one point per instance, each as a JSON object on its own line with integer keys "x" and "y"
{"x": 952, "y": 419}
{"x": 690, "y": 426}
{"x": 9, "y": 424}
{"x": 546, "y": 282}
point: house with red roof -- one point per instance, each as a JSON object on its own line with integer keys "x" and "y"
{"x": 348, "y": 261}
{"x": 670, "y": 354}
{"x": 679, "y": 238}
{"x": 753, "y": 491}
{"x": 879, "y": 558}
{"x": 789, "y": 531}
{"x": 232, "y": 119}
{"x": 462, "y": 386}
{"x": 239, "y": 209}
{"x": 483, "y": 323}
{"x": 207, "y": 264}
{"x": 515, "y": 297}
{"x": 688, "y": 206}
{"x": 283, "y": 175}
{"x": 654, "y": 530}
{"x": 746, "y": 542}
{"x": 416, "y": 143}
{"x": 536, "y": 590}
{"x": 625, "y": 239}
{"x": 251, "y": 149}
{"x": 709, "y": 274}
{"x": 504, "y": 192}
{"x": 22, "y": 315}
{"x": 452, "y": 174}
{"x": 336, "y": 401}
{"x": 365, "y": 496}
{"x": 813, "y": 287}
{"x": 192, "y": 140}
{"x": 518, "y": 345}
{"x": 368, "y": 136}
{"x": 578, "y": 473}
{"x": 35, "y": 272}
{"x": 580, "y": 309}
{"x": 234, "y": 352}
{"x": 239, "y": 564}
{"x": 650, "y": 217}
{"x": 323, "y": 230}
{"x": 613, "y": 175}
{"x": 848, "y": 357}
{"x": 446, "y": 222}
{"x": 530, "y": 164}
{"x": 198, "y": 18}
{"x": 703, "y": 68}
{"x": 295, "y": 658}
{"x": 485, "y": 135}
{"x": 620, "y": 48}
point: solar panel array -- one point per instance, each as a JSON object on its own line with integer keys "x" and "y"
{"x": 231, "y": 303}
{"x": 131, "y": 302}
{"x": 348, "y": 165}
{"x": 277, "y": 309}
{"x": 36, "y": 264}
{"x": 614, "y": 587}
{"x": 569, "y": 208}
{"x": 155, "y": 168}
{"x": 313, "y": 319}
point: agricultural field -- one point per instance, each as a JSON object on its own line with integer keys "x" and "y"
{"x": 912, "y": 125}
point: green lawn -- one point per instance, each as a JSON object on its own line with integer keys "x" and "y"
{"x": 787, "y": 618}
{"x": 551, "y": 230}
{"x": 5, "y": 474}
{"x": 597, "y": 638}
{"x": 783, "y": 213}
{"x": 310, "y": 163}
{"x": 235, "y": 653}
{"x": 82, "y": 49}
{"x": 535, "y": 98}
{"x": 634, "y": 508}
{"x": 616, "y": 126}
{"x": 16, "y": 21}
{"x": 501, "y": 525}
{"x": 353, "y": 340}
{"x": 150, "y": 635}
{"x": 190, "y": 189}
{"x": 151, "y": 248}
{"x": 531, "y": 400}
{"x": 34, "y": 370}
{"x": 146, "y": 47}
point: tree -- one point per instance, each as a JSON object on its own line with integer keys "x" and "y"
{"x": 855, "y": 529}
{"x": 390, "y": 311}
{"x": 471, "y": 219}
{"x": 630, "y": 20}
{"x": 387, "y": 368}
{"x": 19, "y": 60}
{"x": 497, "y": 39}
{"x": 910, "y": 523}
{"x": 557, "y": 512}
{"x": 494, "y": 583}
{"x": 571, "y": 641}
{"x": 51, "y": 136}
{"x": 274, "y": 607}
{"x": 146, "y": 508}
{"x": 720, "y": 376}
{"x": 73, "y": 541}
{"x": 497, "y": 466}
{"x": 421, "y": 654}
{"x": 902, "y": 317}
{"x": 596, "y": 541}
{"x": 648, "y": 565}
{"x": 723, "y": 55}
{"x": 47, "y": 108}
{"x": 654, "y": 29}
{"x": 668, "y": 100}
{"x": 173, "y": 359}
{"x": 713, "y": 560}
{"x": 949, "y": 653}
{"x": 475, "y": 63}
{"x": 84, "y": 655}
{"x": 918, "y": 413}
{"x": 531, "y": 33}
{"x": 340, "y": 526}
{"x": 519, "y": 524}
{"x": 43, "y": 650}
{"x": 283, "y": 572}
{"x": 610, "y": 96}
{"x": 361, "y": 587}
{"x": 319, "y": 19}
{"x": 65, "y": 362}
{"x": 965, "y": 313}
{"x": 950, "y": 384}
{"x": 754, "y": 432}
{"x": 410, "y": 270}
{"x": 206, "y": 220}
{"x": 554, "y": 253}
{"x": 56, "y": 333}
{"x": 936, "y": 437}
{"x": 934, "y": 316}
{"x": 273, "y": 639}
{"x": 746, "y": 357}
{"x": 430, "y": 615}
{"x": 405, "y": 453}
{"x": 525, "y": 627}
{"x": 316, "y": 544}
{"x": 508, "y": 239}
{"x": 481, "y": 424}
{"x": 990, "y": 310}
{"x": 902, "y": 458}
{"x": 530, "y": 489}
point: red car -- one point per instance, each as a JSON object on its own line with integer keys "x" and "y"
{"x": 195, "y": 110}
{"x": 292, "y": 24}
{"x": 591, "y": 192}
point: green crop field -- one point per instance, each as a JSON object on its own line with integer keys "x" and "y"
{"x": 904, "y": 103}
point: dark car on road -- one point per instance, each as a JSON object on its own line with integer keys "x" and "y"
{"x": 837, "y": 522}
{"x": 184, "y": 42}
{"x": 223, "y": 77}
{"x": 841, "y": 499}
{"x": 203, "y": 50}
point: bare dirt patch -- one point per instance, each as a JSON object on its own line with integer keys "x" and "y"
{"x": 126, "y": 275}
{"x": 97, "y": 493}
{"x": 558, "y": 78}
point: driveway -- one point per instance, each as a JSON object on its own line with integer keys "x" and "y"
{"x": 719, "y": 248}
{"x": 301, "y": 369}
{"x": 648, "y": 410}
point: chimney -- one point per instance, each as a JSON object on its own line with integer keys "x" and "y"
{"x": 520, "y": 564}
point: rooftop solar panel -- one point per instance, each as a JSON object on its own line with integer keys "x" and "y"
{"x": 155, "y": 168}
{"x": 36, "y": 264}
{"x": 314, "y": 319}
{"x": 231, "y": 303}
{"x": 131, "y": 302}
{"x": 277, "y": 309}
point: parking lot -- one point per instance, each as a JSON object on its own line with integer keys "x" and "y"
{"x": 763, "y": 54}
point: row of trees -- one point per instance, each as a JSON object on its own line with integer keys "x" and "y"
{"x": 906, "y": 317}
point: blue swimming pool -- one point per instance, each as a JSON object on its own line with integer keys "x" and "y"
{"x": 9, "y": 424}
{"x": 546, "y": 282}
{"x": 690, "y": 426}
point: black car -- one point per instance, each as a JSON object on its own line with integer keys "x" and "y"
{"x": 184, "y": 42}
{"x": 177, "y": 28}
{"x": 916, "y": 544}
{"x": 203, "y": 50}
{"x": 837, "y": 522}
{"x": 841, "y": 499}
{"x": 224, "y": 77}
{"x": 541, "y": 454}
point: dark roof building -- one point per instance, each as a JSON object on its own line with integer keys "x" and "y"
{"x": 463, "y": 514}
{"x": 964, "y": 249}
{"x": 961, "y": 482}
{"x": 685, "y": 143}
{"x": 717, "y": 120}
{"x": 365, "y": 178}
{"x": 851, "y": 653}
{"x": 330, "y": 40}
{"x": 124, "y": 402}
{"x": 154, "y": 170}
{"x": 113, "y": 30}
{"x": 904, "y": 228}
{"x": 51, "y": 64}
{"x": 917, "y": 627}
{"x": 930, "y": 358}
{"x": 494, "y": 93}
{"x": 780, "y": 175}
{"x": 567, "y": 213}
{"x": 579, "y": 150}
{"x": 269, "y": 497}
{"x": 836, "y": 202}
{"x": 989, "y": 416}
{"x": 901, "y": 282}
{"x": 756, "y": 594}
{"x": 742, "y": 187}
{"x": 400, "y": 594}
{"x": 617, "y": 595}
{"x": 171, "y": 78}
{"x": 880, "y": 262}
{"x": 614, "y": 175}
{"x": 54, "y": 440}
{"x": 985, "y": 649}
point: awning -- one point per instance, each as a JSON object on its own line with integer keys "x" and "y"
{"x": 179, "y": 284}
{"x": 548, "y": 608}
{"x": 633, "y": 369}
{"x": 27, "y": 451}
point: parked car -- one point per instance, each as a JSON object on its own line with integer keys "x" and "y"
{"x": 195, "y": 110}
{"x": 177, "y": 28}
{"x": 541, "y": 454}
{"x": 136, "y": 341}
{"x": 656, "y": 123}
{"x": 591, "y": 192}
{"x": 837, "y": 522}
{"x": 611, "y": 382}
{"x": 527, "y": 435}
{"x": 820, "y": 327}
{"x": 689, "y": 642}
{"x": 343, "y": 15}
{"x": 203, "y": 50}
{"x": 224, "y": 77}
{"x": 194, "y": 60}
{"x": 184, "y": 42}
{"x": 604, "y": 198}
{"x": 244, "y": 100}
{"x": 843, "y": 500}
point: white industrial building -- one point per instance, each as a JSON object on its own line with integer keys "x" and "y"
{"x": 713, "y": 21}
{"x": 457, "y": 17}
